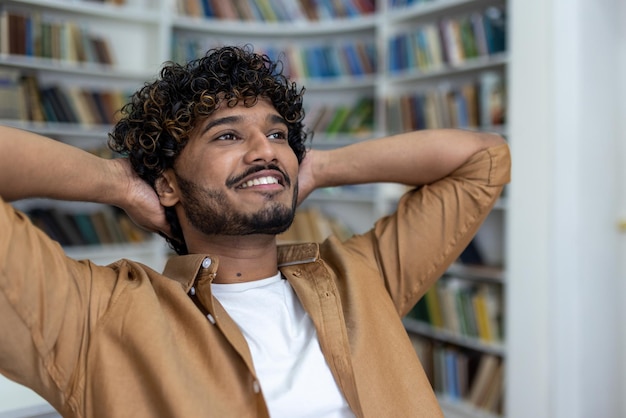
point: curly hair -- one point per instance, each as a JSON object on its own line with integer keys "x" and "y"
{"x": 157, "y": 122}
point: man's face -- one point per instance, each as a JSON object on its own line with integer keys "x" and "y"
{"x": 238, "y": 174}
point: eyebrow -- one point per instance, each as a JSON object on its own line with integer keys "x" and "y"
{"x": 273, "y": 118}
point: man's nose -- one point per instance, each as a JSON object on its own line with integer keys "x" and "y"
{"x": 260, "y": 149}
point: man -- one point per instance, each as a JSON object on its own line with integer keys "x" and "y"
{"x": 235, "y": 326}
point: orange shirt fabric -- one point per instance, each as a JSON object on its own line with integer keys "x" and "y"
{"x": 126, "y": 341}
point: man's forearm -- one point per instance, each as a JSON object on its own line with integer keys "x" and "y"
{"x": 413, "y": 158}
{"x": 35, "y": 166}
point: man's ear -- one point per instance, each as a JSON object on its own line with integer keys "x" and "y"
{"x": 167, "y": 188}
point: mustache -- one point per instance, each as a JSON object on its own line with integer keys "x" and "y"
{"x": 232, "y": 181}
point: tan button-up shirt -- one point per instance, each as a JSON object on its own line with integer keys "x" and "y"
{"x": 127, "y": 341}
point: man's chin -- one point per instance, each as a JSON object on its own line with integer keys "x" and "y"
{"x": 273, "y": 227}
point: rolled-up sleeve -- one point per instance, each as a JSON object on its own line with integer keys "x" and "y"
{"x": 44, "y": 308}
{"x": 434, "y": 223}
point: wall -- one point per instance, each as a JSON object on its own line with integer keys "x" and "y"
{"x": 563, "y": 241}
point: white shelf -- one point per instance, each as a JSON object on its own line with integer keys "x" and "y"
{"x": 298, "y": 29}
{"x": 474, "y": 65}
{"x": 477, "y": 273}
{"x": 454, "y": 408}
{"x": 134, "y": 11}
{"x": 65, "y": 130}
{"x": 434, "y": 9}
{"x": 365, "y": 83}
{"x": 444, "y": 335}
{"x": 87, "y": 69}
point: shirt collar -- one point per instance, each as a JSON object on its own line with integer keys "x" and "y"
{"x": 185, "y": 268}
{"x": 292, "y": 254}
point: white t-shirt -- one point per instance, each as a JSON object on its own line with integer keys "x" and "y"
{"x": 291, "y": 368}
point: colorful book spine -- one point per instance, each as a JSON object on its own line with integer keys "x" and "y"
{"x": 106, "y": 225}
{"x": 451, "y": 41}
{"x": 276, "y": 10}
{"x": 36, "y": 35}
{"x": 463, "y": 307}
{"x": 27, "y": 100}
{"x": 475, "y": 104}
{"x": 463, "y": 375}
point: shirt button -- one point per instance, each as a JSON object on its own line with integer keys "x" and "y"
{"x": 206, "y": 263}
{"x": 210, "y": 318}
{"x": 256, "y": 387}
{"x": 192, "y": 291}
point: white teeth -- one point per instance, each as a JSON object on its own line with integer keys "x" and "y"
{"x": 260, "y": 180}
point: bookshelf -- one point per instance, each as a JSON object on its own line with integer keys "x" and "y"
{"x": 556, "y": 317}
{"x": 351, "y": 95}
{"x": 445, "y": 65}
{"x": 77, "y": 51}
{"x": 49, "y": 62}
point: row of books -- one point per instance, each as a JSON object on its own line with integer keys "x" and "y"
{"x": 276, "y": 10}
{"x": 101, "y": 226}
{"x": 34, "y": 34}
{"x": 355, "y": 119}
{"x": 114, "y": 2}
{"x": 23, "y": 98}
{"x": 475, "y": 104}
{"x": 464, "y": 307}
{"x": 459, "y": 375}
{"x": 333, "y": 60}
{"x": 312, "y": 61}
{"x": 451, "y": 41}
{"x": 312, "y": 225}
{"x": 405, "y": 3}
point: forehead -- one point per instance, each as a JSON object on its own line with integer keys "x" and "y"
{"x": 260, "y": 113}
{"x": 261, "y": 104}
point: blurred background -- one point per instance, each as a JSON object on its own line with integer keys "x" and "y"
{"x": 529, "y": 322}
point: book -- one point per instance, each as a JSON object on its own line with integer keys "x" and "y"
{"x": 44, "y": 220}
{"x": 485, "y": 374}
{"x": 492, "y": 399}
{"x": 472, "y": 254}
{"x": 17, "y": 33}
{"x": 486, "y": 306}
{"x": 102, "y": 51}
{"x": 434, "y": 308}
{"x": 492, "y": 99}
{"x": 86, "y": 227}
{"x": 66, "y": 223}
{"x": 446, "y": 290}
{"x": 11, "y": 95}
{"x": 4, "y": 30}
{"x": 336, "y": 124}
{"x": 494, "y": 19}
{"x": 99, "y": 223}
{"x": 32, "y": 99}
{"x": 83, "y": 112}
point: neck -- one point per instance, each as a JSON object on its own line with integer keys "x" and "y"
{"x": 242, "y": 258}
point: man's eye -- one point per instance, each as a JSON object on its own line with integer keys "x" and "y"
{"x": 277, "y": 135}
{"x": 227, "y": 137}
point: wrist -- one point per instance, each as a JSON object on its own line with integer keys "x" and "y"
{"x": 118, "y": 180}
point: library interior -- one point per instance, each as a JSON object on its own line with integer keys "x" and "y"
{"x": 530, "y": 320}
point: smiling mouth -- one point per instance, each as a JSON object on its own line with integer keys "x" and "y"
{"x": 260, "y": 181}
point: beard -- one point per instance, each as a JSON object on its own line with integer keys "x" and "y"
{"x": 207, "y": 211}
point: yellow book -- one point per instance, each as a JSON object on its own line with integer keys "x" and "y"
{"x": 434, "y": 308}
{"x": 482, "y": 316}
